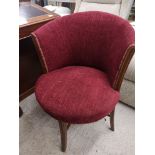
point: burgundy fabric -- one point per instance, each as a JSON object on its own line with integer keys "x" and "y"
{"x": 76, "y": 94}
{"x": 93, "y": 39}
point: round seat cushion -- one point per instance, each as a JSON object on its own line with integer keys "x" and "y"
{"x": 76, "y": 94}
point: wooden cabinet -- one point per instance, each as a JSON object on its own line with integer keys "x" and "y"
{"x": 32, "y": 16}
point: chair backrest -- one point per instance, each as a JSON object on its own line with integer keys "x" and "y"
{"x": 118, "y": 7}
{"x": 96, "y": 39}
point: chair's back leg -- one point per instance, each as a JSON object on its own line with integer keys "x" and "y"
{"x": 63, "y": 131}
{"x": 112, "y": 114}
{"x": 20, "y": 111}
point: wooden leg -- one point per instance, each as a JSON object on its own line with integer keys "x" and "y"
{"x": 63, "y": 132}
{"x": 20, "y": 111}
{"x": 112, "y": 114}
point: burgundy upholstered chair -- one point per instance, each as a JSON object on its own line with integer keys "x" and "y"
{"x": 84, "y": 57}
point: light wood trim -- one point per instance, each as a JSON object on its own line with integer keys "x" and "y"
{"x": 123, "y": 67}
{"x": 39, "y": 52}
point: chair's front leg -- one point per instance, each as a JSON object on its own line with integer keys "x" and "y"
{"x": 112, "y": 114}
{"x": 63, "y": 131}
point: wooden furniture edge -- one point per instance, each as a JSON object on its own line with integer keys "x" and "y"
{"x": 39, "y": 19}
{"x": 24, "y": 32}
{"x": 49, "y": 15}
{"x": 26, "y": 94}
{"x": 123, "y": 67}
{"x": 35, "y": 5}
{"x": 39, "y": 52}
{"x": 36, "y": 21}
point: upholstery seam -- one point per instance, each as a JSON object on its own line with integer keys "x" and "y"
{"x": 41, "y": 52}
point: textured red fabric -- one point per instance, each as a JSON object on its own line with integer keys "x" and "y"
{"x": 94, "y": 39}
{"x": 76, "y": 94}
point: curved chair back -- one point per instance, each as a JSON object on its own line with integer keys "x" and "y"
{"x": 100, "y": 40}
